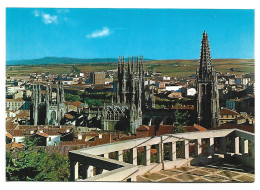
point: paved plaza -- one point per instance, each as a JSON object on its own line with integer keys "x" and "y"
{"x": 216, "y": 172}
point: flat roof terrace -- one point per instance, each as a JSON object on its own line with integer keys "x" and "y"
{"x": 152, "y": 157}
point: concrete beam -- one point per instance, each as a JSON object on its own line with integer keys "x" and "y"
{"x": 159, "y": 153}
{"x": 244, "y": 146}
{"x": 140, "y": 142}
{"x": 90, "y": 171}
{"x": 106, "y": 155}
{"x": 198, "y": 147}
{"x": 134, "y": 156}
{"x": 186, "y": 149}
{"x": 211, "y": 146}
{"x": 120, "y": 155}
{"x": 147, "y": 151}
{"x": 235, "y": 144}
{"x": 173, "y": 151}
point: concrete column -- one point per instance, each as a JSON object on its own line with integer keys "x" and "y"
{"x": 104, "y": 171}
{"x": 223, "y": 145}
{"x": 106, "y": 155}
{"x": 198, "y": 147}
{"x": 120, "y": 155}
{"x": 134, "y": 156}
{"x": 235, "y": 145}
{"x": 74, "y": 170}
{"x": 159, "y": 152}
{"x": 186, "y": 149}
{"x": 244, "y": 146}
{"x": 90, "y": 171}
{"x": 211, "y": 148}
{"x": 147, "y": 151}
{"x": 172, "y": 151}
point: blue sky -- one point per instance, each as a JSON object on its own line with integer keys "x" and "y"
{"x": 108, "y": 33}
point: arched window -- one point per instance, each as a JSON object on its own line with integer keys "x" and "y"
{"x": 116, "y": 115}
{"x": 53, "y": 115}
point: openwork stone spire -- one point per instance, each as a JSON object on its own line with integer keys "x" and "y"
{"x": 205, "y": 68}
{"x": 207, "y": 98}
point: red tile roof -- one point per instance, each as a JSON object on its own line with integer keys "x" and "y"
{"x": 69, "y": 116}
{"x": 11, "y": 125}
{"x": 248, "y": 128}
{"x": 187, "y": 107}
{"x": 92, "y": 133}
{"x": 193, "y": 128}
{"x": 228, "y": 112}
{"x": 143, "y": 128}
{"x": 8, "y": 135}
{"x": 42, "y": 134}
{"x": 77, "y": 104}
{"x": 23, "y": 114}
{"x": 15, "y": 132}
{"x": 13, "y": 145}
{"x": 165, "y": 129}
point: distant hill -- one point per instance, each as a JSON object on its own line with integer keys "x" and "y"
{"x": 61, "y": 60}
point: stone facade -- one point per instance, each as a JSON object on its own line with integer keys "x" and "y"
{"x": 126, "y": 113}
{"x": 44, "y": 110}
{"x": 207, "y": 97}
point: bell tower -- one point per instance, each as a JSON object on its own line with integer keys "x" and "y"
{"x": 207, "y": 97}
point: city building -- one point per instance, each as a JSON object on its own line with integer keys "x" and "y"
{"x": 17, "y": 104}
{"x": 97, "y": 77}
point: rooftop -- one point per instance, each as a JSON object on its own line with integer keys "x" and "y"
{"x": 214, "y": 172}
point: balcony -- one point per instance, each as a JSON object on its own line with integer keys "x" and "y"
{"x": 94, "y": 164}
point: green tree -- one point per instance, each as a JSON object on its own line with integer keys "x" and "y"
{"x": 181, "y": 119}
{"x": 73, "y": 98}
{"x": 34, "y": 164}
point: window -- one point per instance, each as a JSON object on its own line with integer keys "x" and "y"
{"x": 49, "y": 138}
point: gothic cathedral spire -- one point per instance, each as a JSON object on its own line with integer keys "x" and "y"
{"x": 207, "y": 98}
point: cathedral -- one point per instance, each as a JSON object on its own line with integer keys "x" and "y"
{"x": 207, "y": 97}
{"x": 126, "y": 113}
{"x": 45, "y": 109}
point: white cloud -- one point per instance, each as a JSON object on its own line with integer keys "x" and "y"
{"x": 99, "y": 33}
{"x": 48, "y": 19}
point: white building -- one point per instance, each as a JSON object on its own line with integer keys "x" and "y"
{"x": 191, "y": 91}
{"x": 173, "y": 88}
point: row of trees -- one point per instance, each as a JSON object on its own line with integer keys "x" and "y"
{"x": 36, "y": 164}
{"x": 92, "y": 99}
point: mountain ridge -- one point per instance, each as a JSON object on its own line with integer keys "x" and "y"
{"x": 61, "y": 60}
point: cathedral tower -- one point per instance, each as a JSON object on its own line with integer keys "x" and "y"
{"x": 207, "y": 97}
{"x": 46, "y": 110}
{"x": 126, "y": 113}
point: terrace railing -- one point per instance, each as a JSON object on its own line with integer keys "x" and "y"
{"x": 94, "y": 164}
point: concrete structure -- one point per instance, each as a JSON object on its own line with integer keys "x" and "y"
{"x": 96, "y": 158}
{"x": 97, "y": 77}
{"x": 190, "y": 92}
{"x": 17, "y": 104}
{"x": 173, "y": 88}
{"x": 228, "y": 116}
